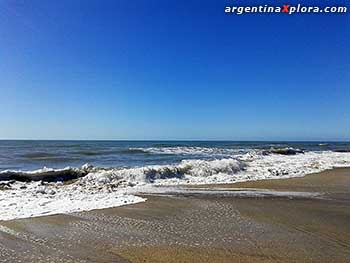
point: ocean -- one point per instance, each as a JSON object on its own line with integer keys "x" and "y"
{"x": 50, "y": 177}
{"x": 31, "y": 155}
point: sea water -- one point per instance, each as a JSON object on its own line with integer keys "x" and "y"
{"x": 105, "y": 174}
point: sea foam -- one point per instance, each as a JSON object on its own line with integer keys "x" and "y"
{"x": 101, "y": 187}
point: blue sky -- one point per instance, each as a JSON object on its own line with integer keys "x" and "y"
{"x": 171, "y": 70}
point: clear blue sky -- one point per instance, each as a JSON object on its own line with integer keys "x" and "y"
{"x": 171, "y": 70}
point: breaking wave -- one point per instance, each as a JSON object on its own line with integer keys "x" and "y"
{"x": 253, "y": 165}
{"x": 134, "y": 151}
{"x": 45, "y": 174}
{"x": 190, "y": 150}
{"x": 212, "y": 151}
{"x": 285, "y": 151}
{"x": 166, "y": 173}
{"x": 99, "y": 187}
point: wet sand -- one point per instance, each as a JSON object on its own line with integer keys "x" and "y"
{"x": 197, "y": 228}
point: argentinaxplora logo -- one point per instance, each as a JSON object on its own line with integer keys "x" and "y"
{"x": 285, "y": 9}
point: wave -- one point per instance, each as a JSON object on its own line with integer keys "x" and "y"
{"x": 39, "y": 155}
{"x": 45, "y": 174}
{"x": 216, "y": 152}
{"x": 284, "y": 151}
{"x": 111, "y": 152}
{"x": 167, "y": 145}
{"x": 191, "y": 150}
{"x": 342, "y": 150}
{"x": 253, "y": 165}
{"x": 145, "y": 174}
{"x": 98, "y": 187}
{"x": 87, "y": 153}
{"x": 158, "y": 173}
{"x": 134, "y": 151}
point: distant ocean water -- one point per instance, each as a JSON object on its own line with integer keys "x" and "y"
{"x": 32, "y": 155}
{"x": 112, "y": 173}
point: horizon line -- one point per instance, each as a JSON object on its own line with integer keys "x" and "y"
{"x": 175, "y": 140}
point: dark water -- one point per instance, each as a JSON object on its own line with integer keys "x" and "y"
{"x": 30, "y": 155}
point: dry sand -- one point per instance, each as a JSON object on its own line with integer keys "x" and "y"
{"x": 200, "y": 228}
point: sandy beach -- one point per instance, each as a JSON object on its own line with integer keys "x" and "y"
{"x": 174, "y": 132}
{"x": 198, "y": 228}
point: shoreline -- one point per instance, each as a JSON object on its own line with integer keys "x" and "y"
{"x": 101, "y": 187}
{"x": 134, "y": 195}
{"x": 197, "y": 228}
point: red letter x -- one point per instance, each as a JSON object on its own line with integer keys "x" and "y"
{"x": 285, "y": 8}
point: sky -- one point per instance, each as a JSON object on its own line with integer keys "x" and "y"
{"x": 171, "y": 70}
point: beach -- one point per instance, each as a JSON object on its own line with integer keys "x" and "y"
{"x": 198, "y": 227}
{"x": 169, "y": 132}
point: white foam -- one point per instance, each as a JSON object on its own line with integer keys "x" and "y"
{"x": 190, "y": 171}
{"x": 103, "y": 188}
{"x": 246, "y": 167}
{"x": 191, "y": 150}
{"x": 39, "y": 200}
{"x": 7, "y": 230}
